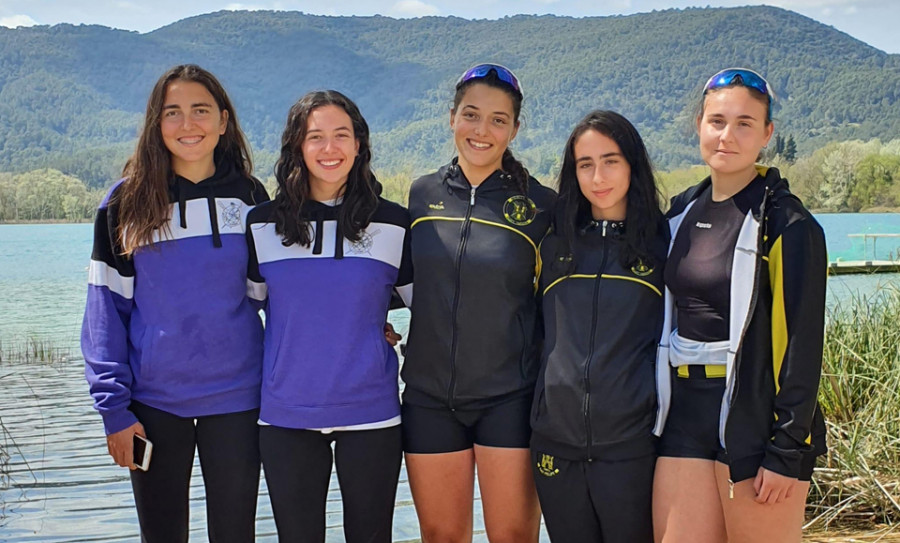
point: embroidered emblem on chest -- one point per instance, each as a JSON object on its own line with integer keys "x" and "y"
{"x": 519, "y": 210}
{"x": 230, "y": 217}
{"x": 438, "y": 206}
{"x": 364, "y": 245}
{"x": 641, "y": 270}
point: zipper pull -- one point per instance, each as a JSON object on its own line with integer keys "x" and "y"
{"x": 730, "y": 489}
{"x": 604, "y": 228}
{"x": 472, "y": 198}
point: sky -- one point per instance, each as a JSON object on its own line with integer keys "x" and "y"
{"x": 872, "y": 21}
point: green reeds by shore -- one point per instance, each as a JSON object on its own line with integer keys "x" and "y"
{"x": 33, "y": 349}
{"x": 858, "y": 482}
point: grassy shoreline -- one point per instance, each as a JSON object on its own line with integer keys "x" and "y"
{"x": 859, "y": 479}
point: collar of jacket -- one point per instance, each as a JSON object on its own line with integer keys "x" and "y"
{"x": 180, "y": 188}
{"x": 317, "y": 213}
{"x": 454, "y": 179}
{"x": 605, "y": 228}
{"x": 775, "y": 185}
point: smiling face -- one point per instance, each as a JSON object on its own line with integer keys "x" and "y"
{"x": 603, "y": 175}
{"x": 733, "y": 130}
{"x": 329, "y": 150}
{"x": 483, "y": 126}
{"x": 191, "y": 124}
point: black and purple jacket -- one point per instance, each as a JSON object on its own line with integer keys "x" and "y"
{"x": 327, "y": 362}
{"x": 172, "y": 326}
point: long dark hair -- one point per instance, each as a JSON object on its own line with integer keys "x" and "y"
{"x": 143, "y": 198}
{"x": 360, "y": 195}
{"x": 643, "y": 214}
{"x": 510, "y": 164}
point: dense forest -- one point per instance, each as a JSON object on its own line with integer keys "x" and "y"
{"x": 845, "y": 176}
{"x": 72, "y": 97}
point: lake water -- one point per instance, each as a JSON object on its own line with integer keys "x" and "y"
{"x": 43, "y": 271}
{"x": 59, "y": 485}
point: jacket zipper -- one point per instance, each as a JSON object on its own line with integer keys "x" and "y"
{"x": 459, "y": 254}
{"x": 752, "y": 308}
{"x": 587, "y": 364}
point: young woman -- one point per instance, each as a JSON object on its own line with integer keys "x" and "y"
{"x": 743, "y": 333}
{"x": 326, "y": 255}
{"x": 593, "y": 449}
{"x": 172, "y": 344}
{"x": 471, "y": 359}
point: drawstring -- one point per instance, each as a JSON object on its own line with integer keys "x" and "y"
{"x": 318, "y": 216}
{"x": 213, "y": 217}
{"x": 181, "y": 191}
{"x": 338, "y": 242}
{"x": 182, "y": 204}
{"x": 317, "y": 244}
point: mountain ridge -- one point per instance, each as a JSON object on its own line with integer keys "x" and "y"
{"x": 71, "y": 94}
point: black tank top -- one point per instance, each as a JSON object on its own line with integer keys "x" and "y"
{"x": 698, "y": 270}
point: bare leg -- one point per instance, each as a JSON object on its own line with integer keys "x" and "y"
{"x": 512, "y": 512}
{"x": 751, "y": 522}
{"x": 686, "y": 506}
{"x": 443, "y": 487}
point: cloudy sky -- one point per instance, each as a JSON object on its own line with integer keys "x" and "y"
{"x": 872, "y": 21}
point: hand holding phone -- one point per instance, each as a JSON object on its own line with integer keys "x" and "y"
{"x": 142, "y": 451}
{"x": 121, "y": 445}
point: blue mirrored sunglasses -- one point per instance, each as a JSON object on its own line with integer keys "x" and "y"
{"x": 482, "y": 70}
{"x": 742, "y": 76}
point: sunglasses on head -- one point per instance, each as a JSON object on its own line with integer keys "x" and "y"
{"x": 482, "y": 70}
{"x": 739, "y": 76}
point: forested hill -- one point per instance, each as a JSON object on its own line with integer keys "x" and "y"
{"x": 71, "y": 97}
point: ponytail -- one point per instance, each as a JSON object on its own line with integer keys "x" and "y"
{"x": 518, "y": 172}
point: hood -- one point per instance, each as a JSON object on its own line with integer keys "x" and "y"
{"x": 181, "y": 190}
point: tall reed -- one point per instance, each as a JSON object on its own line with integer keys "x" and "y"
{"x": 34, "y": 349}
{"x": 859, "y": 481}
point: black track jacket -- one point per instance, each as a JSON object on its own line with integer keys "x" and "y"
{"x": 770, "y": 415}
{"x": 475, "y": 256}
{"x": 596, "y": 394}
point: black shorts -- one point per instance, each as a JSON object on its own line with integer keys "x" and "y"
{"x": 428, "y": 430}
{"x": 692, "y": 427}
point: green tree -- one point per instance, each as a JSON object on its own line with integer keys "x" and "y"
{"x": 790, "y": 149}
{"x": 877, "y": 182}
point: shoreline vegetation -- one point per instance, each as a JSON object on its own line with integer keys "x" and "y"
{"x": 844, "y": 177}
{"x": 856, "y": 487}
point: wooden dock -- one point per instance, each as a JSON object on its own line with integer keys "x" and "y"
{"x": 842, "y": 267}
{"x": 892, "y": 265}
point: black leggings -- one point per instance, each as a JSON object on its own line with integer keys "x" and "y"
{"x": 297, "y": 464}
{"x": 229, "y": 459}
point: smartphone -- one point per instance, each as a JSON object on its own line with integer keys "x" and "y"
{"x": 142, "y": 450}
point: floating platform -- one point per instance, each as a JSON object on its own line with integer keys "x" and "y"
{"x": 842, "y": 267}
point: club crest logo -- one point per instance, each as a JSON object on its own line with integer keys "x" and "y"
{"x": 641, "y": 270}
{"x": 545, "y": 466}
{"x": 364, "y": 245}
{"x": 231, "y": 215}
{"x": 519, "y": 210}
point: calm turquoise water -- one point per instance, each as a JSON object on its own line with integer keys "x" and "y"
{"x": 43, "y": 271}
